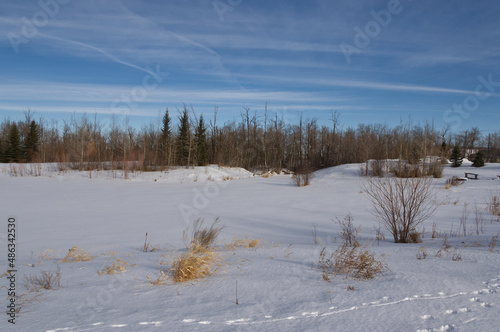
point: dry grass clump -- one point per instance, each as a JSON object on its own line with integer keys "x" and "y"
{"x": 148, "y": 247}
{"x": 453, "y": 182}
{"x": 161, "y": 280}
{"x": 414, "y": 237}
{"x": 348, "y": 233}
{"x": 77, "y": 254}
{"x": 493, "y": 243}
{"x": 456, "y": 256}
{"x": 494, "y": 205}
{"x": 422, "y": 253}
{"x": 204, "y": 237}
{"x": 198, "y": 262}
{"x": 242, "y": 243}
{"x": 355, "y": 262}
{"x": 119, "y": 266}
{"x": 46, "y": 280}
{"x": 445, "y": 248}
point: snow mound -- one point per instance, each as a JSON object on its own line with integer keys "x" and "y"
{"x": 199, "y": 174}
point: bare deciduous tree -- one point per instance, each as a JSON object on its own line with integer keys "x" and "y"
{"x": 401, "y": 204}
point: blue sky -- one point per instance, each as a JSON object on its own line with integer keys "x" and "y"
{"x": 370, "y": 61}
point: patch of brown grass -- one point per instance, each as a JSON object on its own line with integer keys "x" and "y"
{"x": 200, "y": 260}
{"x": 242, "y": 243}
{"x": 355, "y": 262}
{"x": 196, "y": 263}
{"x": 77, "y": 254}
{"x": 161, "y": 280}
{"x": 119, "y": 266}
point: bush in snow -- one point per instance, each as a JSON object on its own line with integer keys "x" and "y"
{"x": 355, "y": 262}
{"x": 303, "y": 174}
{"x": 46, "y": 280}
{"x": 401, "y": 204}
{"x": 348, "y": 233}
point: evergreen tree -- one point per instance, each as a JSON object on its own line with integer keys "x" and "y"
{"x": 456, "y": 157}
{"x": 201, "y": 143}
{"x": 13, "y": 152}
{"x": 165, "y": 140}
{"x": 31, "y": 142}
{"x": 183, "y": 142}
{"x": 479, "y": 160}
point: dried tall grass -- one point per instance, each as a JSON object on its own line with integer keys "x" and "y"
{"x": 77, "y": 254}
{"x": 242, "y": 243}
{"x": 46, "y": 280}
{"x": 205, "y": 237}
{"x": 119, "y": 266}
{"x": 348, "y": 233}
{"x": 196, "y": 263}
{"x": 494, "y": 205}
{"x": 355, "y": 262}
{"x": 200, "y": 260}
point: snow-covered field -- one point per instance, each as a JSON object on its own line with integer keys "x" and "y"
{"x": 278, "y": 286}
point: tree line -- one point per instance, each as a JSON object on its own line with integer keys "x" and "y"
{"x": 258, "y": 141}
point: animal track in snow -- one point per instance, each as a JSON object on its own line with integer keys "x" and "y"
{"x": 492, "y": 286}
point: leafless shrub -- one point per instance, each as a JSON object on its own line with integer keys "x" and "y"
{"x": 414, "y": 237}
{"x": 379, "y": 235}
{"x": 377, "y": 167}
{"x": 373, "y": 167}
{"x": 355, "y": 262}
{"x": 435, "y": 169}
{"x": 453, "y": 182}
{"x": 316, "y": 239}
{"x": 479, "y": 220}
{"x": 422, "y": 253}
{"x": 401, "y": 204}
{"x": 348, "y": 233}
{"x": 303, "y": 175}
{"x": 493, "y": 243}
{"x": 494, "y": 205}
{"x": 445, "y": 248}
{"x": 434, "y": 231}
{"x": 464, "y": 218}
{"x": 403, "y": 169}
{"x": 456, "y": 256}
{"x": 46, "y": 280}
